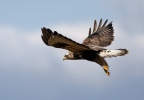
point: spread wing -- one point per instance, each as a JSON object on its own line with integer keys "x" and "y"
{"x": 101, "y": 36}
{"x": 59, "y": 41}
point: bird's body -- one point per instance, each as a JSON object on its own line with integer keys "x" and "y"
{"x": 92, "y": 48}
{"x": 87, "y": 54}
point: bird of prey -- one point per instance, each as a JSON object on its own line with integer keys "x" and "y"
{"x": 92, "y": 48}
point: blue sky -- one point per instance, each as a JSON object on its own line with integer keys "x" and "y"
{"x": 30, "y": 70}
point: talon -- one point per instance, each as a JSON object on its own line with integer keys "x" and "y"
{"x": 106, "y": 68}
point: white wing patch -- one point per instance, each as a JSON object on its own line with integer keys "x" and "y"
{"x": 113, "y": 53}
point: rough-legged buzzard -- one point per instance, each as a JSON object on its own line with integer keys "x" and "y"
{"x": 92, "y": 48}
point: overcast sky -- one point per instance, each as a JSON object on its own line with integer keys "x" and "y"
{"x": 30, "y": 70}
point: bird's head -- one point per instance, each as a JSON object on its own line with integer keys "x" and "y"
{"x": 68, "y": 56}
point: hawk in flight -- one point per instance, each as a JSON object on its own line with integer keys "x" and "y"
{"x": 92, "y": 48}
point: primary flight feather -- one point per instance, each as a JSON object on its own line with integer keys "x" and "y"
{"x": 92, "y": 48}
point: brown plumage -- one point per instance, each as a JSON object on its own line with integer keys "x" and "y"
{"x": 92, "y": 48}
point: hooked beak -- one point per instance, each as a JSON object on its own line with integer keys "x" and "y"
{"x": 64, "y": 58}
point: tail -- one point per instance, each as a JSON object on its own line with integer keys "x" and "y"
{"x": 113, "y": 53}
{"x": 101, "y": 61}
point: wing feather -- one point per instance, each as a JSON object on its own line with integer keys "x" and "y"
{"x": 100, "y": 23}
{"x": 95, "y": 26}
{"x": 101, "y": 37}
{"x": 104, "y": 23}
{"x": 89, "y": 31}
{"x": 59, "y": 41}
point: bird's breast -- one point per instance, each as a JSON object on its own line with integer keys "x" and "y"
{"x": 89, "y": 55}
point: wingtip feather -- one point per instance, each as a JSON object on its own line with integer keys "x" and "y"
{"x": 89, "y": 31}
{"x": 95, "y": 26}
{"x": 46, "y": 33}
{"x": 100, "y": 23}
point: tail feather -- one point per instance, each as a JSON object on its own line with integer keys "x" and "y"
{"x": 113, "y": 53}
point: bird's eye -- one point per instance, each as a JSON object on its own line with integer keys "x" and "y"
{"x": 67, "y": 54}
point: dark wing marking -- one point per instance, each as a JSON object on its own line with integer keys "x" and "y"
{"x": 59, "y": 41}
{"x": 100, "y": 37}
